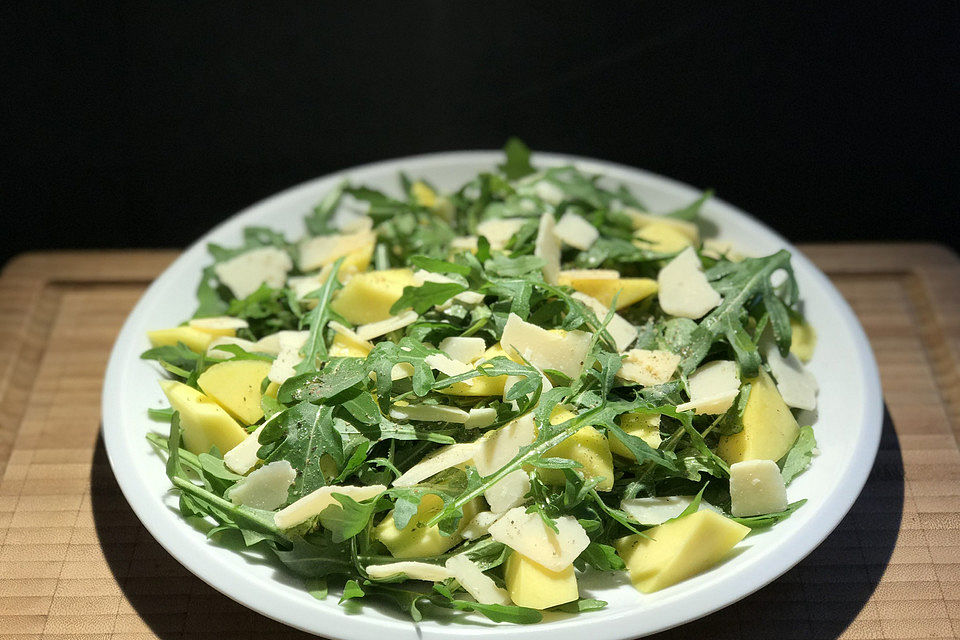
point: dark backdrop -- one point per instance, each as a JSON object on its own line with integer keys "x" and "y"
{"x": 142, "y": 124}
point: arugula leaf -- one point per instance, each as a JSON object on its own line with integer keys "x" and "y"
{"x": 518, "y": 160}
{"x": 351, "y": 590}
{"x": 211, "y": 298}
{"x": 495, "y": 612}
{"x": 509, "y": 267}
{"x": 317, "y": 320}
{"x": 424, "y": 297}
{"x": 178, "y": 357}
{"x": 602, "y": 557}
{"x": 435, "y": 265}
{"x": 739, "y": 284}
{"x": 348, "y": 519}
{"x": 239, "y": 353}
{"x": 316, "y": 556}
{"x": 581, "y": 606}
{"x": 318, "y": 222}
{"x": 692, "y": 210}
{"x": 160, "y": 415}
{"x": 798, "y": 458}
{"x": 316, "y": 387}
{"x": 770, "y": 519}
{"x": 266, "y": 311}
{"x": 316, "y": 587}
{"x": 302, "y": 435}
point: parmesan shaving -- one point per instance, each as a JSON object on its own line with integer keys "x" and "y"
{"x": 648, "y": 368}
{"x": 383, "y": 327}
{"x": 547, "y": 248}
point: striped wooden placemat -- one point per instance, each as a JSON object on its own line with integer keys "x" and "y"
{"x": 75, "y": 562}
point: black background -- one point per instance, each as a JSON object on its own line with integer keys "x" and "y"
{"x": 143, "y": 124}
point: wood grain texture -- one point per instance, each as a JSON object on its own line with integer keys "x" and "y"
{"x": 75, "y": 562}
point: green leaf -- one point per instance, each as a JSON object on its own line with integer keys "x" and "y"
{"x": 316, "y": 387}
{"x": 509, "y": 267}
{"x": 495, "y": 612}
{"x": 239, "y": 353}
{"x": 210, "y": 301}
{"x": 642, "y": 452}
{"x": 348, "y": 519}
{"x": 732, "y": 420}
{"x": 316, "y": 587}
{"x": 602, "y": 557}
{"x": 424, "y": 297}
{"x": 179, "y": 356}
{"x": 160, "y": 415}
{"x": 692, "y": 210}
{"x": 267, "y": 311}
{"x": 317, "y": 321}
{"x": 351, "y": 590}
{"x": 770, "y": 519}
{"x": 518, "y": 160}
{"x": 739, "y": 284}
{"x": 301, "y": 435}
{"x": 174, "y": 469}
{"x": 435, "y": 265}
{"x": 798, "y": 458}
{"x": 316, "y": 556}
{"x": 581, "y": 606}
{"x": 318, "y": 222}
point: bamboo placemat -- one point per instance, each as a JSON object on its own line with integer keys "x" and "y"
{"x": 75, "y": 562}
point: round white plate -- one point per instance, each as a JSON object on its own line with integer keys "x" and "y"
{"x": 847, "y": 430}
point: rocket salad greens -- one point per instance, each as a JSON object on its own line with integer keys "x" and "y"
{"x": 463, "y": 400}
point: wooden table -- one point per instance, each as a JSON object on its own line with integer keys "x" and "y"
{"x": 75, "y": 562}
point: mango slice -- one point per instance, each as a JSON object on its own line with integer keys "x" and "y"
{"x": 588, "y": 447}
{"x": 645, "y": 426}
{"x": 367, "y": 297}
{"x": 678, "y": 549}
{"x": 344, "y": 346}
{"x": 804, "y": 339}
{"x": 417, "y": 540}
{"x": 632, "y": 290}
{"x": 482, "y": 385}
{"x": 423, "y": 194}
{"x": 235, "y": 386}
{"x": 662, "y": 237}
{"x": 196, "y": 339}
{"x": 531, "y": 585}
{"x": 769, "y": 429}
{"x": 204, "y": 423}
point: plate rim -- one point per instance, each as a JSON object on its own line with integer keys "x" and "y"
{"x": 829, "y": 514}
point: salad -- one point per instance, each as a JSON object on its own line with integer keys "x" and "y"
{"x": 462, "y": 401}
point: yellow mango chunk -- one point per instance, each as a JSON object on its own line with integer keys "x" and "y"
{"x": 642, "y": 220}
{"x": 482, "y": 385}
{"x": 344, "y": 346}
{"x": 587, "y": 446}
{"x": 423, "y": 194}
{"x": 769, "y": 429}
{"x": 196, "y": 339}
{"x": 356, "y": 261}
{"x": 662, "y": 237}
{"x": 645, "y": 426}
{"x": 203, "y": 422}
{"x": 678, "y": 549}
{"x": 418, "y": 540}
{"x": 531, "y": 585}
{"x": 235, "y": 386}
{"x": 367, "y": 297}
{"x": 632, "y": 290}
{"x": 803, "y": 340}
{"x": 272, "y": 390}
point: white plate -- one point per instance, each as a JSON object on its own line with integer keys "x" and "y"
{"x": 848, "y": 431}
